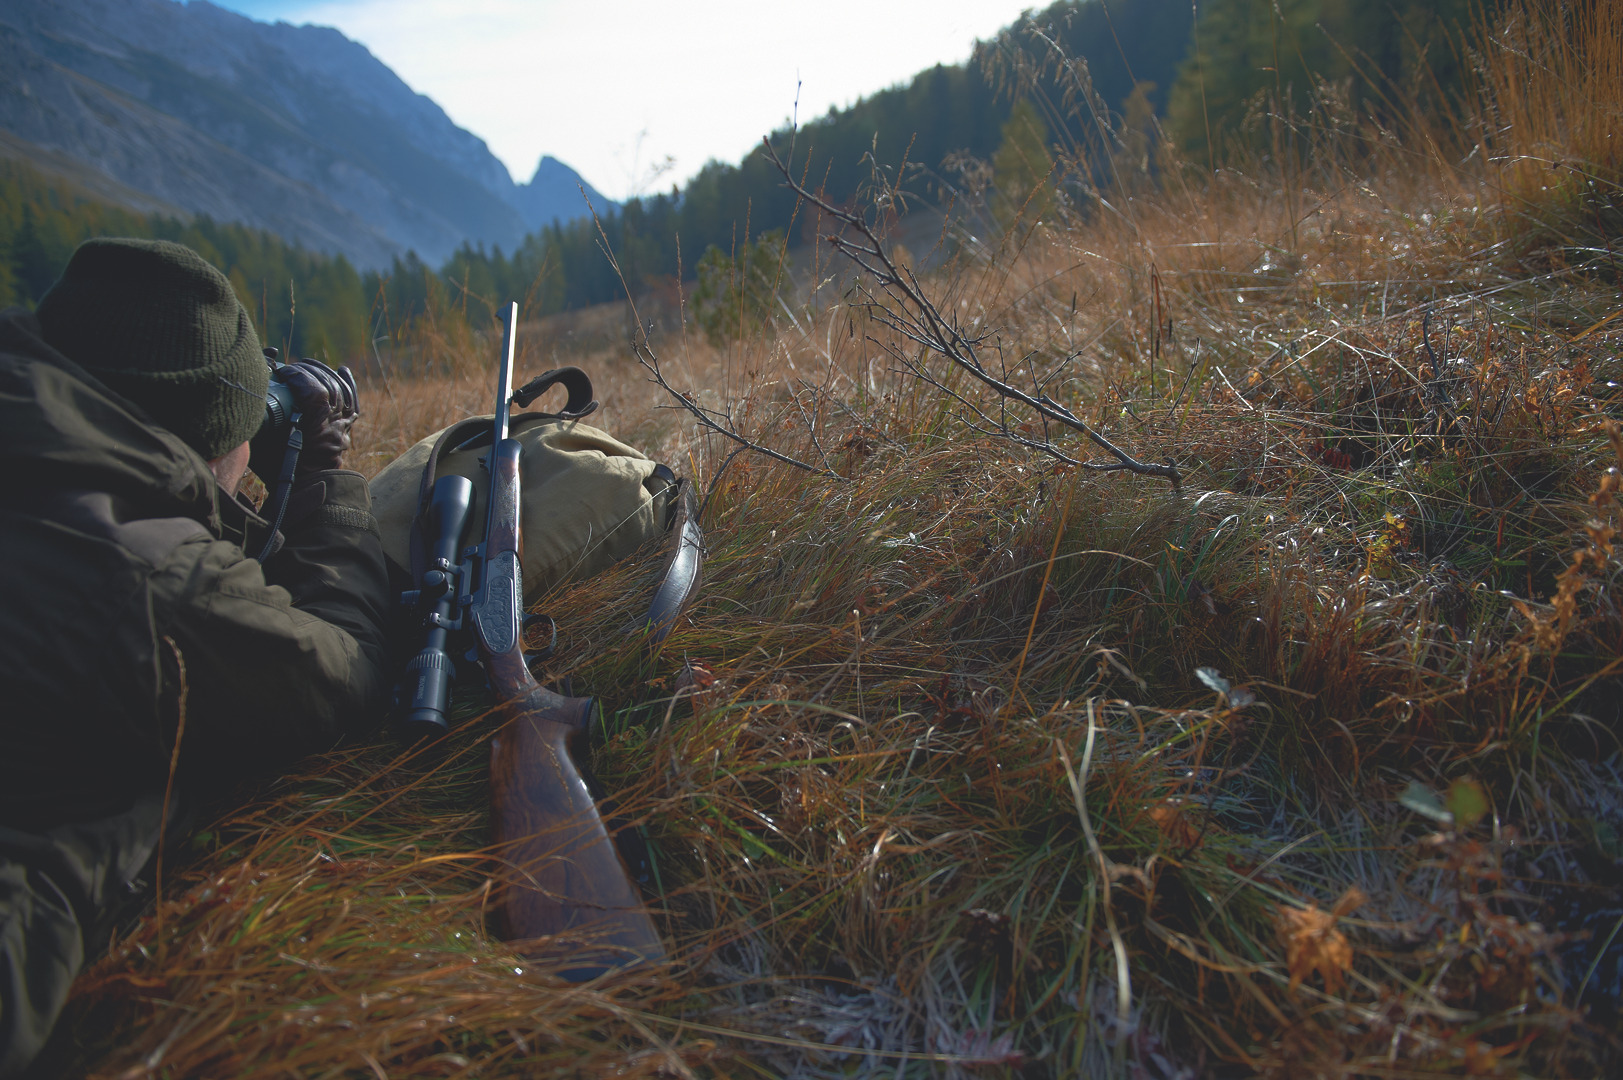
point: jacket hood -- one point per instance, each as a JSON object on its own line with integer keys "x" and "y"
{"x": 62, "y": 428}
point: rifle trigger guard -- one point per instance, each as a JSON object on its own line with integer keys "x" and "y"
{"x": 577, "y": 382}
{"x": 546, "y": 651}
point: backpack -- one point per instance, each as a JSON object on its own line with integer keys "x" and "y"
{"x": 588, "y": 500}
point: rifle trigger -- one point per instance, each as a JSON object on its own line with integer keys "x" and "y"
{"x": 535, "y": 619}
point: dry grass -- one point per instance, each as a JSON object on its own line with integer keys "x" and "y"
{"x": 972, "y": 764}
{"x": 1554, "y": 75}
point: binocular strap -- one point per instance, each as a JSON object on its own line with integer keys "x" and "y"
{"x": 284, "y": 487}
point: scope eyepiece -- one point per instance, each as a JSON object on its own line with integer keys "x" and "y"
{"x": 428, "y": 682}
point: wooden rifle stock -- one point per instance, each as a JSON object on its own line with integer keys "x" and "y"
{"x": 564, "y": 875}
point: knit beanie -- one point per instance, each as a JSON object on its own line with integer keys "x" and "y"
{"x": 158, "y": 324}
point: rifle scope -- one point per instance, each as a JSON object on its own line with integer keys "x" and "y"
{"x": 429, "y": 674}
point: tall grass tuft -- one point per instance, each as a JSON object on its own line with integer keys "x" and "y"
{"x": 1553, "y": 74}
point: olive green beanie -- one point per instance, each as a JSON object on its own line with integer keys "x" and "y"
{"x": 158, "y": 324}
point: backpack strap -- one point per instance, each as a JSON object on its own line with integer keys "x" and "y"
{"x": 575, "y": 381}
{"x": 467, "y": 433}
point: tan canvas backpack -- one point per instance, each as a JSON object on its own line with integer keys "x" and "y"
{"x": 589, "y": 499}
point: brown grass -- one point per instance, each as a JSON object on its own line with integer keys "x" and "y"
{"x": 1554, "y": 75}
{"x": 993, "y": 767}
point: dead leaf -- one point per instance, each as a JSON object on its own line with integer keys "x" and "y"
{"x": 1312, "y": 942}
{"x": 1175, "y": 825}
{"x": 694, "y": 677}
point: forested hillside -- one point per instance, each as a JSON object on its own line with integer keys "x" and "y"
{"x": 952, "y": 111}
{"x": 1097, "y": 74}
{"x": 1378, "y": 60}
{"x": 306, "y": 303}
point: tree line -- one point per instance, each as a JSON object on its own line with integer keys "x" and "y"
{"x": 950, "y": 111}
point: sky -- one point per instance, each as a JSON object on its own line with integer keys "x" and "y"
{"x": 636, "y": 95}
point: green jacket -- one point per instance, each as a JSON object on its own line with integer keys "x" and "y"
{"x": 128, "y": 599}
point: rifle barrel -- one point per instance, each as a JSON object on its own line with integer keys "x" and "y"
{"x": 504, "y": 377}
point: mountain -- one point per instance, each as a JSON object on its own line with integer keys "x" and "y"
{"x": 554, "y": 194}
{"x": 298, "y": 130}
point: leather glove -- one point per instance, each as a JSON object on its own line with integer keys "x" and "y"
{"x": 327, "y": 400}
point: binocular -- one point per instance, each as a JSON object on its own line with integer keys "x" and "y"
{"x": 279, "y": 409}
{"x": 276, "y": 430}
{"x": 273, "y": 452}
{"x": 281, "y": 406}
{"x": 266, "y": 448}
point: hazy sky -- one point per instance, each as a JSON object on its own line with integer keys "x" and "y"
{"x": 638, "y": 94}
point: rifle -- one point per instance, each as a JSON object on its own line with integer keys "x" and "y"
{"x": 563, "y": 873}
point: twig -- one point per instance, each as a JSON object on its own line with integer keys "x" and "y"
{"x": 811, "y": 424}
{"x": 916, "y": 317}
{"x": 644, "y": 352}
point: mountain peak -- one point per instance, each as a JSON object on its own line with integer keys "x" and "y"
{"x": 295, "y": 129}
{"x": 555, "y": 192}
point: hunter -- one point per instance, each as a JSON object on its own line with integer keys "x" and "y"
{"x": 143, "y": 649}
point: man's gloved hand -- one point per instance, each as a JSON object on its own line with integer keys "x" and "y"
{"x": 327, "y": 400}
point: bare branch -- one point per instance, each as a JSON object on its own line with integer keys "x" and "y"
{"x": 811, "y": 422}
{"x": 915, "y": 316}
{"x": 707, "y": 418}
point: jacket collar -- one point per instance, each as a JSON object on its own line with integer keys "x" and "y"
{"x": 237, "y": 521}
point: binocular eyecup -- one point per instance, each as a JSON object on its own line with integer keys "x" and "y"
{"x": 266, "y": 448}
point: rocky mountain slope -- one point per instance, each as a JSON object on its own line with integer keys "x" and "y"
{"x": 298, "y": 130}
